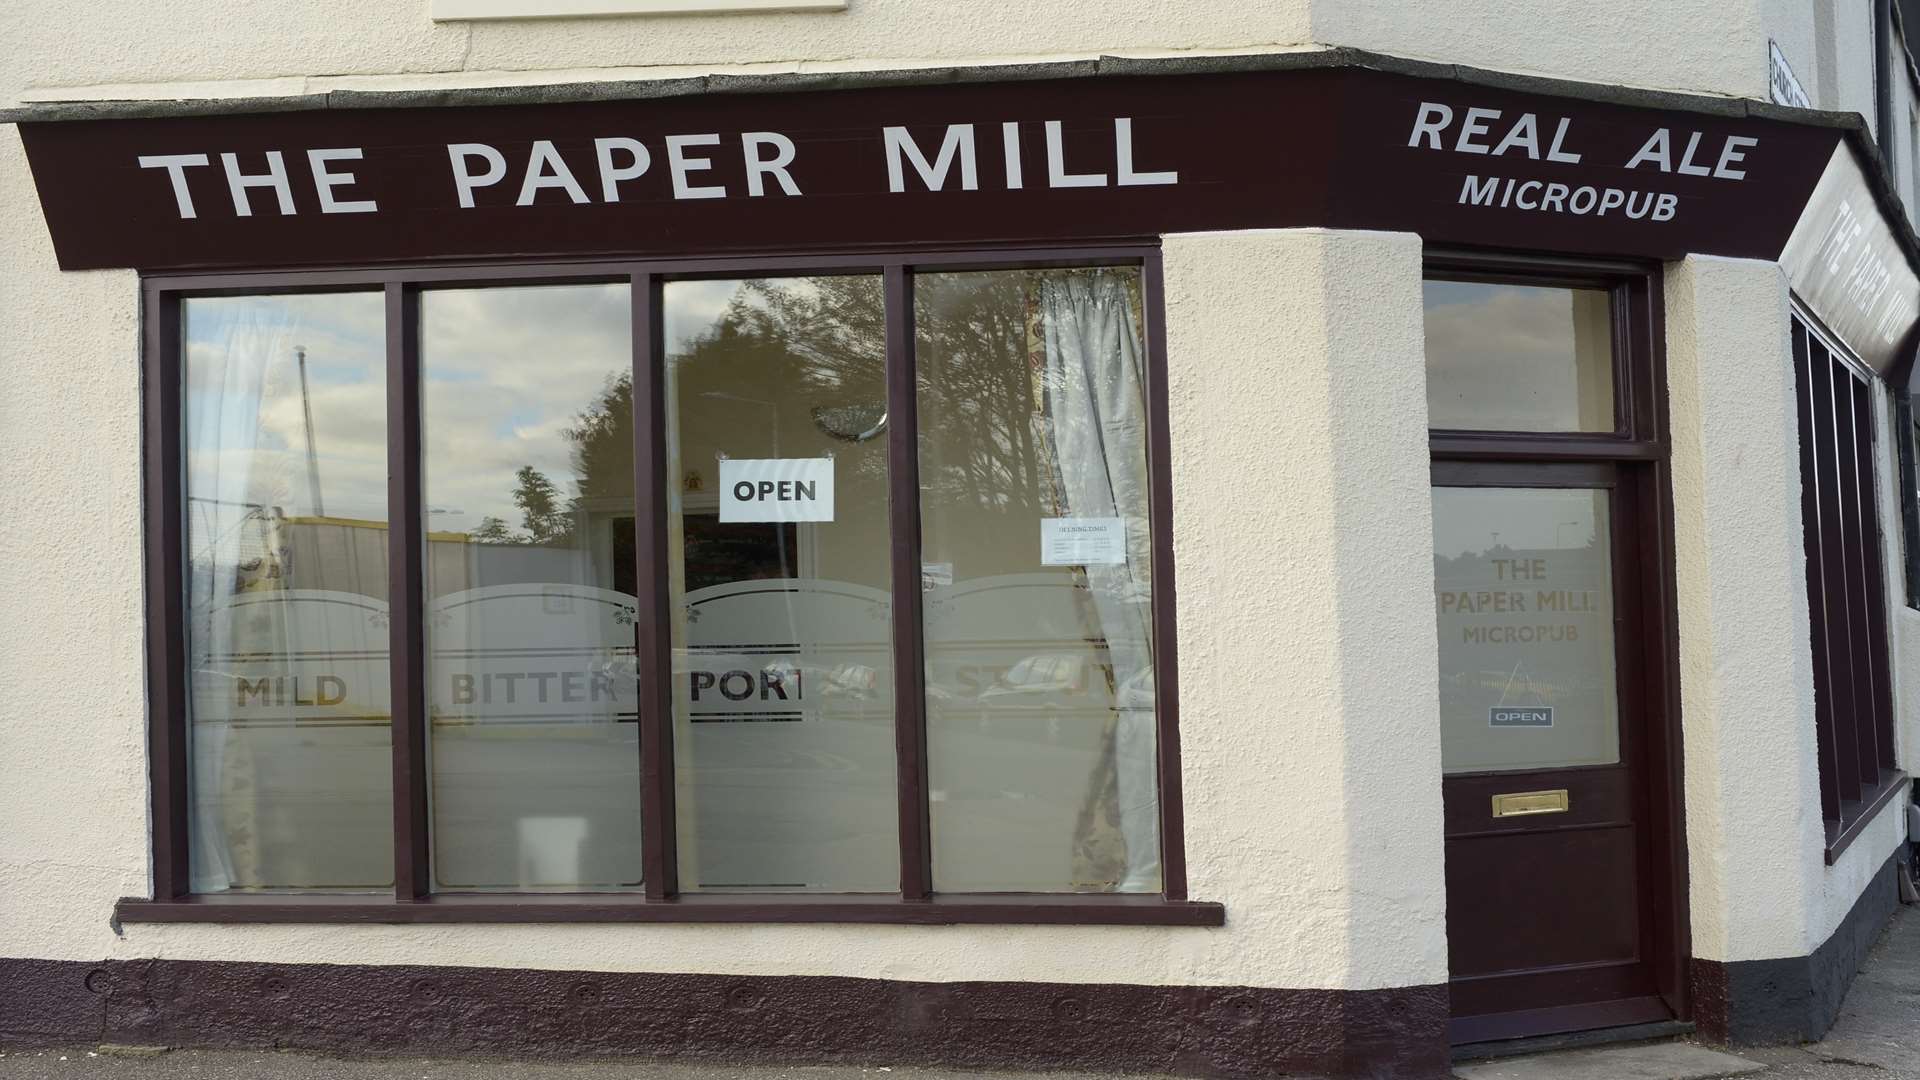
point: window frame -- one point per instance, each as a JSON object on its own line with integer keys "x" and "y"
{"x": 1845, "y": 817}
{"x": 1904, "y": 397}
{"x": 1634, "y": 460}
{"x": 412, "y": 899}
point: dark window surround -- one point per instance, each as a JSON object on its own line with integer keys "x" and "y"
{"x": 1906, "y": 427}
{"x": 412, "y": 900}
{"x": 1636, "y": 454}
{"x": 1846, "y": 583}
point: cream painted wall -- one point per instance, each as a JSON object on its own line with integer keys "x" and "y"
{"x": 71, "y": 615}
{"x": 61, "y": 50}
{"x": 1300, "y": 814}
{"x": 1746, "y": 669}
{"x": 1829, "y": 46}
{"x": 1760, "y": 887}
{"x": 1299, "y": 406}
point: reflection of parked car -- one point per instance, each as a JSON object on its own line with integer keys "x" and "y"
{"x": 856, "y": 681}
{"x": 1135, "y": 692}
{"x": 1050, "y": 679}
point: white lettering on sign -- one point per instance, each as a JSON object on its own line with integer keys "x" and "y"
{"x": 1492, "y": 133}
{"x": 776, "y": 489}
{"x": 769, "y": 160}
{"x": 1558, "y": 198}
{"x": 1083, "y": 541}
{"x": 1846, "y": 264}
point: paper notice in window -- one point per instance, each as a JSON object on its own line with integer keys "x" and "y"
{"x": 1083, "y": 541}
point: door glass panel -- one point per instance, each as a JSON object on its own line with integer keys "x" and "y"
{"x": 527, "y": 397}
{"x": 1523, "y": 582}
{"x": 779, "y": 580}
{"x": 1518, "y": 357}
{"x": 291, "y": 764}
{"x": 1033, "y": 474}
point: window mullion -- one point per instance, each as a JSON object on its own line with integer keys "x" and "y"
{"x": 909, "y": 647}
{"x": 406, "y": 596}
{"x": 651, "y": 638}
{"x": 166, "y": 595}
{"x": 1166, "y": 675}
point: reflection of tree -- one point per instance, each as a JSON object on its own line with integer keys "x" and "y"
{"x": 546, "y": 521}
{"x": 790, "y": 345}
{"x": 603, "y": 466}
{"x": 492, "y": 530}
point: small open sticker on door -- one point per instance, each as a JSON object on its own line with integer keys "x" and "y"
{"x": 1521, "y": 716}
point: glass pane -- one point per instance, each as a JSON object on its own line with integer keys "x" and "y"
{"x": 778, "y": 564}
{"x": 1523, "y": 586}
{"x": 1518, "y": 358}
{"x": 527, "y": 396}
{"x": 286, "y": 545}
{"x": 1033, "y": 472}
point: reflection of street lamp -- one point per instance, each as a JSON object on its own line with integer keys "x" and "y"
{"x": 721, "y": 395}
{"x": 313, "y": 457}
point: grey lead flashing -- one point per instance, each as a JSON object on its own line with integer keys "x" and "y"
{"x": 791, "y": 82}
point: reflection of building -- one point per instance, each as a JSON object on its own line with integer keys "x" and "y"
{"x": 1118, "y": 713}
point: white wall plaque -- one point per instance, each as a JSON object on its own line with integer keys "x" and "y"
{"x": 776, "y": 489}
{"x": 1083, "y": 541}
{"x": 1782, "y": 86}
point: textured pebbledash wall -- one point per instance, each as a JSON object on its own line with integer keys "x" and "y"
{"x": 1304, "y": 547}
{"x": 1760, "y": 886}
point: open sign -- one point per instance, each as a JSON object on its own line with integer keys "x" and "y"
{"x": 776, "y": 489}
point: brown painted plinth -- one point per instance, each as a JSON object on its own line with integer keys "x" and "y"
{"x": 1194, "y": 1031}
{"x": 1794, "y": 999}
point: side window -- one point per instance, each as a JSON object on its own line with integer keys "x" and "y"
{"x": 1846, "y": 597}
{"x": 1906, "y": 420}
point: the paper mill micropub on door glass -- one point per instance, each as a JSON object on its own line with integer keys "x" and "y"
{"x": 1523, "y": 589}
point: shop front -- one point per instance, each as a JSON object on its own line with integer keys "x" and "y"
{"x": 690, "y": 569}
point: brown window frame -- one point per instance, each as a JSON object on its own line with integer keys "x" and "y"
{"x": 412, "y": 900}
{"x": 1634, "y": 461}
{"x": 1840, "y": 520}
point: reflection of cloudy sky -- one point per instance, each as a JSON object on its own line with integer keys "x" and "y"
{"x": 1500, "y": 356}
{"x": 246, "y": 433}
{"x": 505, "y": 372}
{"x": 1469, "y": 521}
{"x": 692, "y": 307}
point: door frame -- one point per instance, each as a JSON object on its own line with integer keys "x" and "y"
{"x": 1639, "y": 449}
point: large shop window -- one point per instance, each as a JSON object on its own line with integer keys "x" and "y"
{"x": 1846, "y": 591}
{"x": 631, "y": 593}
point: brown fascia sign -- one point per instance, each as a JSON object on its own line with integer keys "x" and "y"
{"x": 1491, "y": 163}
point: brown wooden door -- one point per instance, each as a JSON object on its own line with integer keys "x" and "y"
{"x": 1545, "y": 712}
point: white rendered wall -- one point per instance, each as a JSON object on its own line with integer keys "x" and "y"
{"x": 1760, "y": 887}
{"x": 1295, "y": 363}
{"x": 1746, "y": 668}
{"x": 71, "y": 613}
{"x": 58, "y": 49}
{"x": 1298, "y": 407}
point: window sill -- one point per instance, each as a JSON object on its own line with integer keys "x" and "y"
{"x": 1856, "y": 816}
{"x": 483, "y": 10}
{"x": 690, "y": 908}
